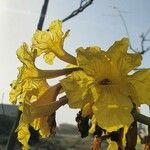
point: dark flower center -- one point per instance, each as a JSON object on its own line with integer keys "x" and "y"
{"x": 105, "y": 82}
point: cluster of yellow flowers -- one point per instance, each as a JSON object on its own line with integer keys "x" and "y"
{"x": 97, "y": 82}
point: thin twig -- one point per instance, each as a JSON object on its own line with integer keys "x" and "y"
{"x": 147, "y": 32}
{"x": 143, "y": 40}
{"x": 143, "y": 36}
{"x": 42, "y": 15}
{"x": 83, "y": 5}
{"x": 126, "y": 28}
{"x": 13, "y": 135}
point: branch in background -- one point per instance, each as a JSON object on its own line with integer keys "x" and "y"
{"x": 42, "y": 15}
{"x": 143, "y": 36}
{"x": 143, "y": 40}
{"x": 83, "y": 5}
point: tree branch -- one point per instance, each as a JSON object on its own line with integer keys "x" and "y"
{"x": 83, "y": 5}
{"x": 140, "y": 118}
{"x": 42, "y": 15}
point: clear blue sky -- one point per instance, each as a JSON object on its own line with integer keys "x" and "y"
{"x": 97, "y": 25}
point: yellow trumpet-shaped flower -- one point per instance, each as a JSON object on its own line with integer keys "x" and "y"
{"x": 29, "y": 75}
{"x": 39, "y": 112}
{"x": 51, "y": 43}
{"x": 105, "y": 82}
{"x": 44, "y": 105}
{"x": 35, "y": 97}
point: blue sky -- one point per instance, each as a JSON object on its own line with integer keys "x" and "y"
{"x": 97, "y": 25}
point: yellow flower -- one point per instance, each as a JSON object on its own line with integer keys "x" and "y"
{"x": 29, "y": 76}
{"x": 51, "y": 43}
{"x": 37, "y": 100}
{"x": 29, "y": 91}
{"x": 105, "y": 82}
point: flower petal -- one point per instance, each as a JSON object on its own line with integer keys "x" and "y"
{"x": 124, "y": 61}
{"x": 23, "y": 136}
{"x": 48, "y": 96}
{"x": 26, "y": 57}
{"x": 77, "y": 89}
{"x": 45, "y": 105}
{"x": 140, "y": 81}
{"x": 112, "y": 110}
{"x": 90, "y": 61}
{"x": 38, "y": 111}
{"x": 15, "y": 92}
{"x": 41, "y": 124}
{"x": 87, "y": 110}
{"x": 118, "y": 48}
{"x": 93, "y": 125}
{"x": 96, "y": 63}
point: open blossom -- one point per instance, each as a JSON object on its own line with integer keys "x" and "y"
{"x": 106, "y": 84}
{"x": 51, "y": 43}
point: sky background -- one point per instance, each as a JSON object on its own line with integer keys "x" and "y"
{"x": 99, "y": 25}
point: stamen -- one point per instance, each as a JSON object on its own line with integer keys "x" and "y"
{"x": 105, "y": 82}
